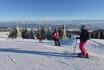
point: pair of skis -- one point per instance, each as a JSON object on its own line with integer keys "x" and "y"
{"x": 89, "y": 56}
{"x": 77, "y": 54}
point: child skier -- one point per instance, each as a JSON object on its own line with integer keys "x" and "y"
{"x": 84, "y": 36}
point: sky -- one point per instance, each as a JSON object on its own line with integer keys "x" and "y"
{"x": 51, "y": 9}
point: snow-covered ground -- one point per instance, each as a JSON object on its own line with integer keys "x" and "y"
{"x": 4, "y": 34}
{"x": 19, "y": 54}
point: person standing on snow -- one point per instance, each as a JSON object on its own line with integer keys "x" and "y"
{"x": 56, "y": 38}
{"x": 84, "y": 36}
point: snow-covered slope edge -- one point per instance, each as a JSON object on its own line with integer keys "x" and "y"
{"x": 19, "y": 54}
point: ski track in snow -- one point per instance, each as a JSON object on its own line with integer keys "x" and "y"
{"x": 11, "y": 59}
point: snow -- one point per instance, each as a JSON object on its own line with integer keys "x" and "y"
{"x": 4, "y": 34}
{"x": 22, "y": 54}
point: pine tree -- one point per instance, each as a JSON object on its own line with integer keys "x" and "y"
{"x": 49, "y": 34}
{"x": 68, "y": 35}
{"x": 31, "y": 34}
{"x": 39, "y": 36}
{"x": 13, "y": 34}
{"x": 64, "y": 31}
{"x": 25, "y": 34}
{"x": 60, "y": 30}
{"x": 43, "y": 33}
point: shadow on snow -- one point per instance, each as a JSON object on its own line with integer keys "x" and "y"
{"x": 63, "y": 54}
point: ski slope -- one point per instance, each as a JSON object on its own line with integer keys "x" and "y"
{"x": 22, "y": 54}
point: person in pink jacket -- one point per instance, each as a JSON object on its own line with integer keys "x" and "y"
{"x": 56, "y": 38}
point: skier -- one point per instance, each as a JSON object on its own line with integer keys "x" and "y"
{"x": 40, "y": 37}
{"x": 84, "y": 36}
{"x": 56, "y": 38}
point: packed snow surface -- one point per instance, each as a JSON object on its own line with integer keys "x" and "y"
{"x": 22, "y": 54}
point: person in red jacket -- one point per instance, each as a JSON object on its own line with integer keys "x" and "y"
{"x": 56, "y": 38}
{"x": 84, "y": 36}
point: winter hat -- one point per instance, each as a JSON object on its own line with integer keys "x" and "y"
{"x": 82, "y": 27}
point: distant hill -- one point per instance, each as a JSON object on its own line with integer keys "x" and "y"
{"x": 90, "y": 24}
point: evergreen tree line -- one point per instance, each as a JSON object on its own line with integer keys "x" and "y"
{"x": 25, "y": 34}
{"x": 39, "y": 34}
{"x": 97, "y": 34}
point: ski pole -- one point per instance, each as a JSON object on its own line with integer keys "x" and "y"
{"x": 75, "y": 47}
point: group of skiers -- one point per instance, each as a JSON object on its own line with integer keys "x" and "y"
{"x": 84, "y": 36}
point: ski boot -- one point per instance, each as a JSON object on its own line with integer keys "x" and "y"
{"x": 81, "y": 55}
{"x": 87, "y": 56}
